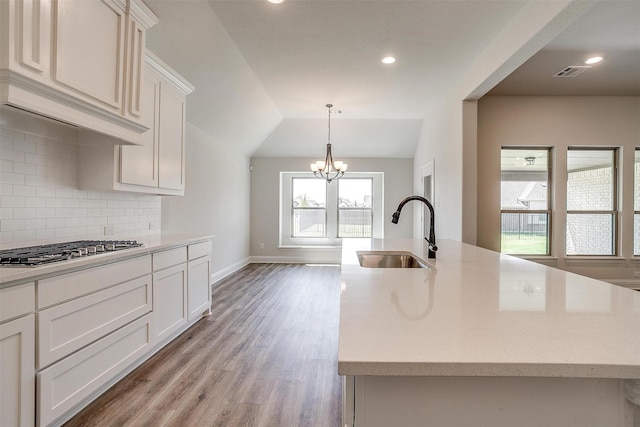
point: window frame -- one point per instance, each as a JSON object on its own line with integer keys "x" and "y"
{"x": 547, "y": 212}
{"x": 636, "y": 197}
{"x": 614, "y": 212}
{"x": 331, "y": 239}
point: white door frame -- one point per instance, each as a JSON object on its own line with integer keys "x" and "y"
{"x": 427, "y": 169}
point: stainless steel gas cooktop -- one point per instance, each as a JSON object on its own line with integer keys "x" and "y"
{"x": 37, "y": 255}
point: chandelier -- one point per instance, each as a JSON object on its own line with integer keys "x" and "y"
{"x": 328, "y": 168}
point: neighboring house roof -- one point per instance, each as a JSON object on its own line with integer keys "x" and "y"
{"x": 519, "y": 194}
{"x": 303, "y": 202}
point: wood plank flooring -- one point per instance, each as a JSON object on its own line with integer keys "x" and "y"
{"x": 267, "y": 356}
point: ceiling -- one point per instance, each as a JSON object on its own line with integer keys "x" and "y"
{"x": 610, "y": 29}
{"x": 264, "y": 72}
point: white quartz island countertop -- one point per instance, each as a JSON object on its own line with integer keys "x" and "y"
{"x": 477, "y": 312}
{"x": 153, "y": 243}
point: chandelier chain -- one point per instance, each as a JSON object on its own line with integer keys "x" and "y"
{"x": 329, "y": 126}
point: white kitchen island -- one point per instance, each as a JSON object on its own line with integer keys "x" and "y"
{"x": 484, "y": 339}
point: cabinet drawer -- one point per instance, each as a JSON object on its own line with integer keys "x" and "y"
{"x": 66, "y": 383}
{"x": 169, "y": 258}
{"x": 198, "y": 250}
{"x": 68, "y": 327}
{"x": 17, "y": 300}
{"x": 66, "y": 287}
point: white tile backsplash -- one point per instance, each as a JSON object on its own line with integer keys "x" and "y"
{"x": 40, "y": 200}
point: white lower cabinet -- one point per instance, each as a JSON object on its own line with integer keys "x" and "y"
{"x": 65, "y": 339}
{"x": 181, "y": 290}
{"x": 199, "y": 293}
{"x": 17, "y": 370}
{"x": 170, "y": 300}
{"x": 199, "y": 289}
{"x": 67, "y": 383}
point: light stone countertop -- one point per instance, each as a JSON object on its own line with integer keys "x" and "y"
{"x": 10, "y": 276}
{"x": 481, "y": 313}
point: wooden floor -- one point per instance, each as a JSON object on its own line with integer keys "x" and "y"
{"x": 266, "y": 357}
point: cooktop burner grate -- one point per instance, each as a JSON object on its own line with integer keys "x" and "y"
{"x": 44, "y": 254}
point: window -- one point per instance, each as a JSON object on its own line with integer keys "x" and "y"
{"x": 636, "y": 204}
{"x": 591, "y": 202}
{"x": 308, "y": 208}
{"x": 355, "y": 209}
{"x": 314, "y": 213}
{"x": 524, "y": 201}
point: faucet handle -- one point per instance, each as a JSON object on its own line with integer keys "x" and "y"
{"x": 433, "y": 247}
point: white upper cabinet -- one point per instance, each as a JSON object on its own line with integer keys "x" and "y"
{"x": 139, "y": 165}
{"x": 158, "y": 165}
{"x": 171, "y": 157}
{"x": 78, "y": 61}
{"x": 88, "y": 50}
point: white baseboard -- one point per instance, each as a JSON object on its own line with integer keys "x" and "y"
{"x": 306, "y": 259}
{"x": 219, "y": 275}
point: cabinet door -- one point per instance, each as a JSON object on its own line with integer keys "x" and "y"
{"x": 136, "y": 36}
{"x": 31, "y": 32}
{"x": 139, "y": 165}
{"x": 17, "y": 370}
{"x": 170, "y": 300}
{"x": 89, "y": 50}
{"x": 172, "y": 137}
{"x": 199, "y": 289}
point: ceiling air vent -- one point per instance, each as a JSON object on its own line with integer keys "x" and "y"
{"x": 572, "y": 71}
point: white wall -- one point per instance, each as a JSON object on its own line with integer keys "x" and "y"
{"x": 216, "y": 200}
{"x": 441, "y": 141}
{"x": 265, "y": 199}
{"x": 558, "y": 122}
{"x": 39, "y": 197}
{"x": 449, "y": 136}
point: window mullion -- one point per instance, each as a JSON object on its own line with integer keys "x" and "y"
{"x": 332, "y": 210}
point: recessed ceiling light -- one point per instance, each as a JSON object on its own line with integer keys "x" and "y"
{"x": 388, "y": 60}
{"x": 276, "y": 1}
{"x": 593, "y": 60}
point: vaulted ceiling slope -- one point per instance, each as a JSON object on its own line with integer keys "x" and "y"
{"x": 229, "y": 102}
{"x": 263, "y": 72}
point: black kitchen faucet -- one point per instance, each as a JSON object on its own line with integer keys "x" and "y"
{"x": 431, "y": 240}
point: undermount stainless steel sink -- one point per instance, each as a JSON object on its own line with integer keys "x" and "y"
{"x": 389, "y": 259}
